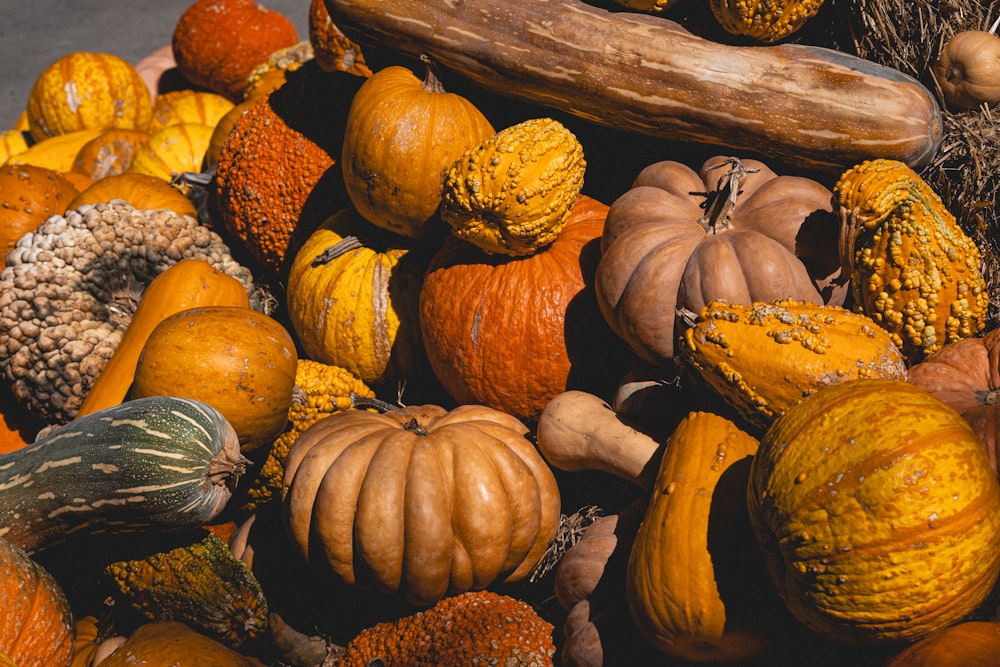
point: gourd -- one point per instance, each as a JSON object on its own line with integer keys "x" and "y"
{"x": 765, "y": 357}
{"x": 513, "y": 194}
{"x": 157, "y": 463}
{"x": 696, "y": 586}
{"x": 28, "y": 195}
{"x": 965, "y": 374}
{"x": 813, "y": 107}
{"x": 420, "y": 502}
{"x": 110, "y": 152}
{"x": 878, "y": 512}
{"x": 911, "y": 267}
{"x": 36, "y": 628}
{"x": 401, "y": 137}
{"x": 967, "y": 67}
{"x": 734, "y": 230}
{"x": 240, "y": 361}
{"x": 174, "y": 644}
{"x": 765, "y": 20}
{"x": 969, "y": 643}
{"x": 190, "y": 283}
{"x": 332, "y": 49}
{"x": 141, "y": 191}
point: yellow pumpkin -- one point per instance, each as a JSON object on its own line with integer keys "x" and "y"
{"x": 188, "y": 106}
{"x": 57, "y": 153}
{"x": 141, "y": 191}
{"x": 173, "y": 150}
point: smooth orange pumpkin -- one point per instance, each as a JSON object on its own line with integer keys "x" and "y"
{"x": 141, "y": 191}
{"x": 28, "y": 195}
{"x": 969, "y": 644}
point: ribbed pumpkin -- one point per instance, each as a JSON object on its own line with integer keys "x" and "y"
{"x": 764, "y": 358}
{"x": 402, "y": 136}
{"x": 36, "y": 627}
{"x": 141, "y": 191}
{"x": 173, "y": 150}
{"x": 513, "y": 332}
{"x": 12, "y": 142}
{"x": 966, "y": 375}
{"x": 513, "y": 193}
{"x": 237, "y": 360}
{"x": 57, "y": 153}
{"x": 734, "y": 231}
{"x": 28, "y": 195}
{"x": 878, "y": 511}
{"x": 87, "y": 91}
{"x": 278, "y": 177}
{"x": 218, "y": 42}
{"x": 420, "y": 502}
{"x": 696, "y": 586}
{"x": 912, "y": 268}
{"x": 764, "y": 20}
{"x": 353, "y": 299}
{"x": 188, "y": 106}
{"x": 109, "y": 153}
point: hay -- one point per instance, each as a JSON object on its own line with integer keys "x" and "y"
{"x": 908, "y": 35}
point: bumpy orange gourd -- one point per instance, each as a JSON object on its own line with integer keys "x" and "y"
{"x": 239, "y": 361}
{"x": 878, "y": 512}
{"x": 87, "y": 91}
{"x": 697, "y": 588}
{"x": 109, "y": 153}
{"x": 36, "y": 627}
{"x": 334, "y": 51}
{"x": 353, "y": 299}
{"x": 402, "y": 136}
{"x": 513, "y": 332}
{"x": 28, "y": 195}
{"x": 765, "y": 20}
{"x": 420, "y": 502}
{"x": 141, "y": 191}
{"x": 735, "y": 231}
{"x": 217, "y": 43}
{"x": 766, "y": 357}
{"x": 912, "y": 268}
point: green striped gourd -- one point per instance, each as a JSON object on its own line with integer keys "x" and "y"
{"x": 156, "y": 463}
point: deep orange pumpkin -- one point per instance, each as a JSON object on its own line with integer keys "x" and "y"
{"x": 28, "y": 195}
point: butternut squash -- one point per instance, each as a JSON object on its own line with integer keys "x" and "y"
{"x": 806, "y": 105}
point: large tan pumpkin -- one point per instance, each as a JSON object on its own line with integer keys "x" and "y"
{"x": 420, "y": 501}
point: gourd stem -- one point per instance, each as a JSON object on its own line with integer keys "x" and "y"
{"x": 720, "y": 203}
{"x": 431, "y": 82}
{"x": 988, "y": 397}
{"x": 363, "y": 402}
{"x": 344, "y": 245}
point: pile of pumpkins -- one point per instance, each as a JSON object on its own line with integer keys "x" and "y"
{"x": 454, "y": 376}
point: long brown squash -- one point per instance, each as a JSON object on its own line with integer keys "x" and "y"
{"x": 808, "y": 106}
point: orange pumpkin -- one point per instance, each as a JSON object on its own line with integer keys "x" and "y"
{"x": 111, "y": 152}
{"x": 28, "y": 195}
{"x": 969, "y": 644}
{"x": 142, "y": 191}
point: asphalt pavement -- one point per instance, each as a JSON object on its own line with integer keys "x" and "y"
{"x": 35, "y": 33}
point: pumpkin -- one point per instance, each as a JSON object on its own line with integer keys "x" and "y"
{"x": 111, "y": 152}
{"x": 87, "y": 91}
{"x": 878, "y": 512}
{"x": 696, "y": 586}
{"x": 36, "y": 628}
{"x": 158, "y": 69}
{"x": 401, "y": 137}
{"x": 513, "y": 193}
{"x": 18, "y": 428}
{"x": 234, "y": 358}
{"x": 174, "y": 644}
{"x": 333, "y": 50}
{"x": 911, "y": 267}
{"x": 188, "y": 106}
{"x": 190, "y": 283}
{"x": 57, "y": 153}
{"x": 970, "y": 643}
{"x": 419, "y": 501}
{"x": 765, "y": 20}
{"x": 86, "y": 638}
{"x": 733, "y": 231}
{"x": 217, "y": 43}
{"x": 141, "y": 191}
{"x": 353, "y": 299}
{"x": 12, "y": 142}
{"x": 28, "y": 195}
{"x": 966, "y": 375}
{"x": 269, "y": 75}
{"x": 278, "y": 177}
{"x": 173, "y": 150}
{"x": 763, "y": 358}
{"x": 966, "y": 69}
{"x": 513, "y": 332}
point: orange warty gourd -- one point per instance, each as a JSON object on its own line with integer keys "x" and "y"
{"x": 87, "y": 91}
{"x": 111, "y": 152}
{"x": 36, "y": 627}
{"x": 141, "y": 191}
{"x": 217, "y": 43}
{"x": 765, "y": 20}
{"x": 878, "y": 512}
{"x": 420, "y": 502}
{"x": 513, "y": 332}
{"x": 333, "y": 50}
{"x": 28, "y": 195}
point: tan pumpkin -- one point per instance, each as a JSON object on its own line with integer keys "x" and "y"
{"x": 110, "y": 152}
{"x": 402, "y": 136}
{"x": 190, "y": 283}
{"x": 420, "y": 502}
{"x": 878, "y": 512}
{"x": 28, "y": 195}
{"x": 239, "y": 361}
{"x": 696, "y": 585}
{"x": 967, "y": 69}
{"x": 87, "y": 91}
{"x": 734, "y": 231}
{"x": 141, "y": 191}
{"x": 36, "y": 627}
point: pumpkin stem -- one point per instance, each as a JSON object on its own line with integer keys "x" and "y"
{"x": 431, "y": 82}
{"x": 365, "y": 402}
{"x": 988, "y": 397}
{"x": 720, "y": 203}
{"x": 343, "y": 246}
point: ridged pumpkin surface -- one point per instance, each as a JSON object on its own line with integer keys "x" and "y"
{"x": 912, "y": 268}
{"x": 878, "y": 511}
{"x": 764, "y": 358}
{"x": 188, "y": 106}
{"x": 173, "y": 150}
{"x": 87, "y": 91}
